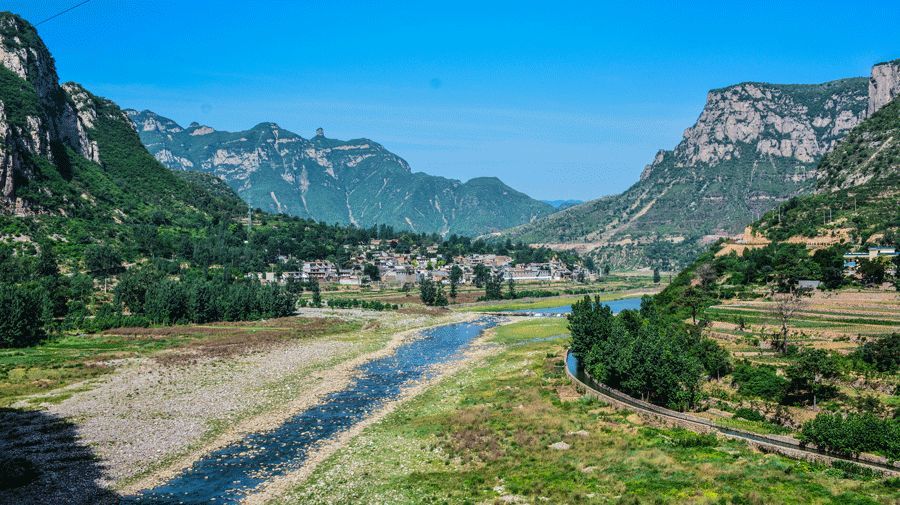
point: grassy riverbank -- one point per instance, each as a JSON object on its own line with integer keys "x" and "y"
{"x": 555, "y": 301}
{"x": 484, "y": 435}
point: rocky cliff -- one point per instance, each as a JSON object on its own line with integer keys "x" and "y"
{"x": 753, "y": 146}
{"x": 355, "y": 182}
{"x": 38, "y": 117}
{"x": 72, "y": 168}
{"x": 884, "y": 85}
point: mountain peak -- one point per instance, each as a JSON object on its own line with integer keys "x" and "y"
{"x": 23, "y": 52}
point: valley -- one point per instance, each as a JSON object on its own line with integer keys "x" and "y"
{"x": 194, "y": 315}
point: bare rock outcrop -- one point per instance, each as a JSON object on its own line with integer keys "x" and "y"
{"x": 55, "y": 114}
{"x": 884, "y": 85}
{"x": 772, "y": 120}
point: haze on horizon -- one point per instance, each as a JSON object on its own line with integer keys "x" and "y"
{"x": 559, "y": 102}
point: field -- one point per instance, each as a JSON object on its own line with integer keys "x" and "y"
{"x": 834, "y": 321}
{"x": 469, "y": 294}
{"x": 511, "y": 429}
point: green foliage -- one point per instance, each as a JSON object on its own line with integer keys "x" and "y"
{"x": 811, "y": 374}
{"x": 871, "y": 272}
{"x": 883, "y": 353}
{"x": 24, "y": 312}
{"x": 353, "y": 303}
{"x": 749, "y": 414}
{"x": 760, "y": 381}
{"x": 372, "y": 272}
{"x": 853, "y": 434}
{"x": 456, "y": 275}
{"x": 432, "y": 293}
{"x": 641, "y": 353}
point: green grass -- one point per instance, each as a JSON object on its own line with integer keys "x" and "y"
{"x": 528, "y": 330}
{"x": 483, "y": 434}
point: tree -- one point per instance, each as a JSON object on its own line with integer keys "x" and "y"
{"x": 871, "y": 272}
{"x": 694, "y": 299}
{"x": 812, "y": 373}
{"x": 493, "y": 289}
{"x": 456, "y": 274}
{"x": 656, "y": 276}
{"x": 605, "y": 270}
{"x": 316, "y": 293}
{"x": 481, "y": 275}
{"x": 831, "y": 266}
{"x": 511, "y": 288}
{"x": 440, "y": 299}
{"x": 427, "y": 291}
{"x": 882, "y": 353}
{"x": 714, "y": 358}
{"x": 23, "y": 314}
{"x": 707, "y": 274}
{"x": 784, "y": 307}
{"x": 372, "y": 272}
{"x": 102, "y": 261}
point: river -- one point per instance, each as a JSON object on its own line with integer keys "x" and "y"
{"x": 616, "y": 306}
{"x": 228, "y": 474}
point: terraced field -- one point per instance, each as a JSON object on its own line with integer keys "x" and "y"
{"x": 834, "y": 321}
{"x": 838, "y": 322}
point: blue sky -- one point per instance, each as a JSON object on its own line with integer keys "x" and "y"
{"x": 560, "y": 100}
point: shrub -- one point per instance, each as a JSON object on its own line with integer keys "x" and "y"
{"x": 853, "y": 434}
{"x": 762, "y": 381}
{"x": 749, "y": 414}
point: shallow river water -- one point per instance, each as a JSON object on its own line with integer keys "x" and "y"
{"x": 228, "y": 474}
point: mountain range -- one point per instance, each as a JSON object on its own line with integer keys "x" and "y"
{"x": 754, "y": 146}
{"x": 356, "y": 182}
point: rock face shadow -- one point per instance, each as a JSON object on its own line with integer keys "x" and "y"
{"x": 43, "y": 461}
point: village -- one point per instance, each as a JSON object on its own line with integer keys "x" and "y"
{"x": 377, "y": 264}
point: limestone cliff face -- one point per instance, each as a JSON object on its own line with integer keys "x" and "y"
{"x": 884, "y": 85}
{"x": 355, "y": 182}
{"x": 754, "y": 145}
{"x": 771, "y": 120}
{"x": 36, "y": 114}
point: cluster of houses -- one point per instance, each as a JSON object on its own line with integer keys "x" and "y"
{"x": 852, "y": 259}
{"x": 397, "y": 269}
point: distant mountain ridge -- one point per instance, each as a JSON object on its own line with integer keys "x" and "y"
{"x": 753, "y": 146}
{"x": 355, "y": 182}
{"x": 562, "y": 204}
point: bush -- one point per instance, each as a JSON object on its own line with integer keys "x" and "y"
{"x": 853, "y": 434}
{"x": 353, "y": 303}
{"x": 762, "y": 381}
{"x": 749, "y": 414}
